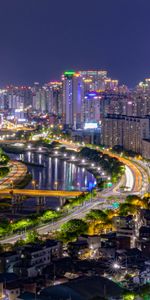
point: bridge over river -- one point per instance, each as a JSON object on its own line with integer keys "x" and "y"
{"x": 41, "y": 193}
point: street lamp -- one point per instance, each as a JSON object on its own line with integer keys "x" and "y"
{"x": 34, "y": 184}
{"x": 116, "y": 266}
{"x": 12, "y": 186}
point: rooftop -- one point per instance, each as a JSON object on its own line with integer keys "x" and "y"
{"x": 77, "y": 289}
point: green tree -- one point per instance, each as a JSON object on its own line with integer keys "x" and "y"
{"x": 96, "y": 215}
{"x": 4, "y": 159}
{"x": 73, "y": 229}
{"x": 21, "y": 224}
{"x": 32, "y": 237}
{"x": 49, "y": 215}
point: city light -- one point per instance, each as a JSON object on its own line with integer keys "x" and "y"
{"x": 116, "y": 266}
{"x": 90, "y": 126}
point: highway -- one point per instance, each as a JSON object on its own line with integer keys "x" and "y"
{"x": 80, "y": 212}
{"x": 133, "y": 173}
{"x": 135, "y": 177}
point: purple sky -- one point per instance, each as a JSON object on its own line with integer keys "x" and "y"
{"x": 41, "y": 38}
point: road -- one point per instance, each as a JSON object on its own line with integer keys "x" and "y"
{"x": 5, "y": 141}
{"x": 16, "y": 174}
{"x": 135, "y": 177}
{"x": 134, "y": 174}
{"x": 78, "y": 213}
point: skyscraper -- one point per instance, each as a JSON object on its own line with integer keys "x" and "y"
{"x": 72, "y": 96}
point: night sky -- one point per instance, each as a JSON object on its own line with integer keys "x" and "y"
{"x": 41, "y": 38}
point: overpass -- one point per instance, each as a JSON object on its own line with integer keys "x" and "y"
{"x": 40, "y": 193}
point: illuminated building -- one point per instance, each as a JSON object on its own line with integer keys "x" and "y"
{"x": 91, "y": 108}
{"x": 125, "y": 131}
{"x": 72, "y": 96}
{"x": 54, "y": 101}
{"x": 93, "y": 80}
{"x": 111, "y": 84}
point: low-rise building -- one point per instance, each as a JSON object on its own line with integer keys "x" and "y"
{"x": 144, "y": 233}
{"x": 125, "y": 227}
{"x": 129, "y": 257}
{"x": 12, "y": 290}
{"x": 35, "y": 257}
{"x": 145, "y": 217}
{"x": 8, "y": 260}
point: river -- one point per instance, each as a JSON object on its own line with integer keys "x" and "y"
{"x": 56, "y": 174}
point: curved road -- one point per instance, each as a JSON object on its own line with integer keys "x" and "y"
{"x": 137, "y": 172}
{"x": 139, "y": 187}
{"x": 16, "y": 174}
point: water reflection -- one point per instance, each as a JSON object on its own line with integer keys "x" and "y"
{"x": 55, "y": 173}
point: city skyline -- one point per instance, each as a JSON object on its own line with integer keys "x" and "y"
{"x": 74, "y": 150}
{"x": 40, "y": 41}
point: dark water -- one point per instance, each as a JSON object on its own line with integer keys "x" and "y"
{"x": 57, "y": 174}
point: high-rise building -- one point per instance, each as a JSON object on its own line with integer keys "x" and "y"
{"x": 72, "y": 99}
{"x": 93, "y": 80}
{"x": 55, "y": 98}
{"x": 125, "y": 131}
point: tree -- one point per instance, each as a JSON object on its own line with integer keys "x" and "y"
{"x": 21, "y": 224}
{"x": 96, "y": 215}
{"x": 5, "y": 227}
{"x": 49, "y": 215}
{"x": 73, "y": 229}
{"x": 126, "y": 209}
{"x": 127, "y": 295}
{"x": 19, "y": 243}
{"x": 100, "y": 221}
{"x": 32, "y": 237}
{"x": 4, "y": 159}
{"x": 137, "y": 201}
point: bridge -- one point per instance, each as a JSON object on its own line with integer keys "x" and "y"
{"x": 41, "y": 193}
{"x": 5, "y": 141}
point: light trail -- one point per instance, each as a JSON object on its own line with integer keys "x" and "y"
{"x": 129, "y": 179}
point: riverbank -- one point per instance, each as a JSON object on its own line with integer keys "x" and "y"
{"x": 16, "y": 174}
